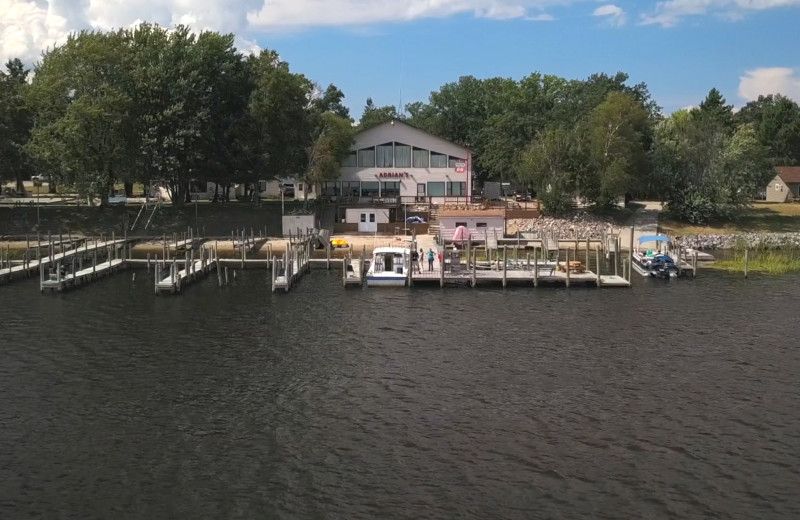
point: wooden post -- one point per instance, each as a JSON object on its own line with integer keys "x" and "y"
{"x": 616, "y": 256}
{"x": 694, "y": 264}
{"x": 94, "y": 264}
{"x": 474, "y": 266}
{"x": 328, "y": 256}
{"x": 505, "y": 264}
{"x": 535, "y": 269}
{"x": 441, "y": 269}
{"x": 746, "y": 261}
{"x": 567, "y": 264}
{"x": 588, "y": 250}
{"x": 630, "y": 257}
{"x": 597, "y": 257}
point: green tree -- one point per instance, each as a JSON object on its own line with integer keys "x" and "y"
{"x": 83, "y": 112}
{"x": 548, "y": 165}
{"x": 16, "y": 123}
{"x": 618, "y": 136}
{"x": 374, "y": 115}
{"x": 776, "y": 120}
{"x": 182, "y": 85}
{"x": 329, "y": 145}
{"x": 710, "y": 173}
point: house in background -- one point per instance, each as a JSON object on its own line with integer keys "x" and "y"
{"x": 785, "y": 186}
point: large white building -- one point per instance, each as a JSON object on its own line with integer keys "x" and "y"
{"x": 395, "y": 159}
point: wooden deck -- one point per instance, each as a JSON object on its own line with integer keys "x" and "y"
{"x": 544, "y": 276}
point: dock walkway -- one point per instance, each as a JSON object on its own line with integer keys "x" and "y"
{"x": 55, "y": 281}
{"x": 192, "y": 270}
{"x": 29, "y": 267}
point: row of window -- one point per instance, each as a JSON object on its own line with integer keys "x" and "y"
{"x": 399, "y": 155}
{"x": 391, "y": 189}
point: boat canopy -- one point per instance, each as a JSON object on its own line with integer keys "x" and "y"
{"x": 654, "y": 238}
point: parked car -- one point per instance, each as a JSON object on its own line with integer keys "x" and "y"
{"x": 415, "y": 220}
{"x": 39, "y": 178}
{"x": 117, "y": 199}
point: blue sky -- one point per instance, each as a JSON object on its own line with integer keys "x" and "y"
{"x": 680, "y": 64}
{"x": 375, "y": 48}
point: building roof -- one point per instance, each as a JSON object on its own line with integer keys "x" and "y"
{"x": 472, "y": 213}
{"x": 789, "y": 174}
{"x": 360, "y": 135}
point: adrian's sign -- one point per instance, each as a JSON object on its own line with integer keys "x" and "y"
{"x": 393, "y": 174}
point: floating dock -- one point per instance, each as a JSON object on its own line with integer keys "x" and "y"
{"x": 179, "y": 278}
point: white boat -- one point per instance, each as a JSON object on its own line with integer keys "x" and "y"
{"x": 656, "y": 263}
{"x": 389, "y": 267}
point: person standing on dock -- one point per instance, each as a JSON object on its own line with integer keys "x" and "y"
{"x": 415, "y": 262}
{"x": 430, "y": 259}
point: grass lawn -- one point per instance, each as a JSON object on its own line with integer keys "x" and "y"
{"x": 762, "y": 217}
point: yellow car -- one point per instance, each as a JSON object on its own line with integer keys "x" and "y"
{"x": 338, "y": 242}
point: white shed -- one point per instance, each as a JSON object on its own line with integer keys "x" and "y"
{"x": 367, "y": 218}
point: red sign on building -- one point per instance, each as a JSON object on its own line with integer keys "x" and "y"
{"x": 461, "y": 166}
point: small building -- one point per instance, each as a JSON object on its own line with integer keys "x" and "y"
{"x": 482, "y": 224}
{"x": 785, "y": 186}
{"x": 367, "y": 220}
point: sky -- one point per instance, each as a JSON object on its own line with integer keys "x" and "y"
{"x": 399, "y": 51}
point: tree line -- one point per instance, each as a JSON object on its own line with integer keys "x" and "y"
{"x": 146, "y": 103}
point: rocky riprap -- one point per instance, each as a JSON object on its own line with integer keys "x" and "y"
{"x": 588, "y": 226}
{"x": 740, "y": 240}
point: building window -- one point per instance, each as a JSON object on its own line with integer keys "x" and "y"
{"x": 384, "y": 157}
{"x": 438, "y": 160}
{"x": 350, "y": 160}
{"x": 461, "y": 224}
{"x": 480, "y": 224}
{"x": 366, "y": 157}
{"x": 435, "y": 189}
{"x": 369, "y": 189}
{"x": 457, "y": 189}
{"x": 330, "y": 188}
{"x": 402, "y": 155}
{"x": 351, "y": 189}
{"x": 421, "y": 158}
{"x": 390, "y": 189}
{"x": 363, "y": 217}
{"x": 372, "y": 217}
{"x": 451, "y": 162}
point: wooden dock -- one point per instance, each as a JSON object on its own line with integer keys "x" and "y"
{"x": 192, "y": 270}
{"x": 292, "y": 266}
{"x": 28, "y": 267}
{"x": 56, "y": 280}
{"x": 353, "y": 271}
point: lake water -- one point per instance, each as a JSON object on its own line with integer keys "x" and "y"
{"x": 673, "y": 399}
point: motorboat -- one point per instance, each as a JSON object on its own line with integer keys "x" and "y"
{"x": 656, "y": 262}
{"x": 389, "y": 267}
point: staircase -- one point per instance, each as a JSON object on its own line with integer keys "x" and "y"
{"x": 433, "y": 220}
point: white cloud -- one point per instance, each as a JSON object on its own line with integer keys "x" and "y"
{"x": 301, "y": 13}
{"x": 27, "y": 27}
{"x": 670, "y": 12}
{"x": 614, "y": 15}
{"x": 770, "y": 80}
